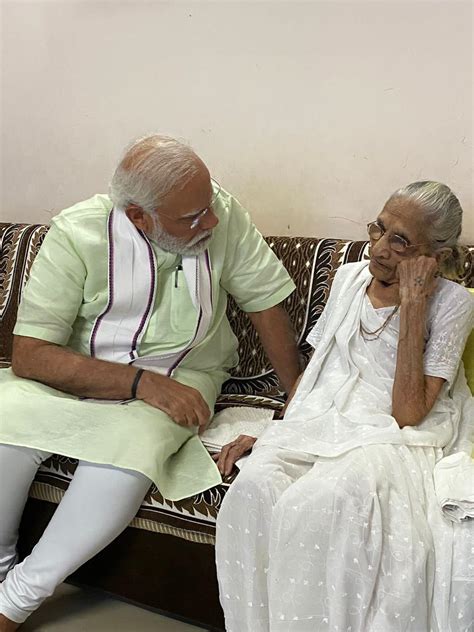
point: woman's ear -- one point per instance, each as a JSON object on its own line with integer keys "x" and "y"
{"x": 138, "y": 217}
{"x": 442, "y": 255}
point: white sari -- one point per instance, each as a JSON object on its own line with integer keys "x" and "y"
{"x": 344, "y": 399}
{"x": 333, "y": 522}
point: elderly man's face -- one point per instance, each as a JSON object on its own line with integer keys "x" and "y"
{"x": 185, "y": 220}
{"x": 399, "y": 218}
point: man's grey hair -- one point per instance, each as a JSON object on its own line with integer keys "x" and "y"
{"x": 150, "y": 169}
{"x": 443, "y": 213}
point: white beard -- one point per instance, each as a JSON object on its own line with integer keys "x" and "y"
{"x": 169, "y": 243}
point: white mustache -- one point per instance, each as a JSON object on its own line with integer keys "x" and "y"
{"x": 200, "y": 237}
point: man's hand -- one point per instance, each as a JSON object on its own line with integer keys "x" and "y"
{"x": 232, "y": 452}
{"x": 184, "y": 404}
{"x": 417, "y": 278}
{"x": 71, "y": 372}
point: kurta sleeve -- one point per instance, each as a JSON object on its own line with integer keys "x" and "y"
{"x": 252, "y": 273}
{"x": 54, "y": 291}
{"x": 453, "y": 320}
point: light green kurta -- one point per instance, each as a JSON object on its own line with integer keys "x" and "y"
{"x": 68, "y": 289}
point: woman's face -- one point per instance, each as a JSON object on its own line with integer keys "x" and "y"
{"x": 399, "y": 218}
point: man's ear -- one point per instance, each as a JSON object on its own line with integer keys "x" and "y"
{"x": 138, "y": 217}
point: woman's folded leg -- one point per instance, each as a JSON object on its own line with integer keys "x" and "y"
{"x": 350, "y": 547}
{"x": 242, "y": 537}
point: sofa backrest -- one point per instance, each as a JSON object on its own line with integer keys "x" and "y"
{"x": 311, "y": 262}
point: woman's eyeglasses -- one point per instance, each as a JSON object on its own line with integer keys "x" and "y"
{"x": 397, "y": 243}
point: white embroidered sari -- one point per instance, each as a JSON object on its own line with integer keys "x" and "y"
{"x": 333, "y": 523}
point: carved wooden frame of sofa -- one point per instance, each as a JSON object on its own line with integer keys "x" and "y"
{"x": 165, "y": 559}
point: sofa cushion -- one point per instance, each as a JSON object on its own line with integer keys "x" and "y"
{"x": 19, "y": 245}
{"x": 311, "y": 262}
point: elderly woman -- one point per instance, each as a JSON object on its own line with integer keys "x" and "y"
{"x": 333, "y": 522}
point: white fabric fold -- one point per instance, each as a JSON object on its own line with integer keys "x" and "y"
{"x": 454, "y": 484}
{"x": 231, "y": 422}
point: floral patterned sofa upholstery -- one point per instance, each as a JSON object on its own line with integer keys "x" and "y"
{"x": 164, "y": 560}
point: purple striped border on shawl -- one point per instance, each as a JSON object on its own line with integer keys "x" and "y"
{"x": 151, "y": 295}
{"x": 186, "y": 351}
{"x": 111, "y": 285}
{"x": 209, "y": 270}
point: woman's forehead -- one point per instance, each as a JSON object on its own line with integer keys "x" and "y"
{"x": 403, "y": 215}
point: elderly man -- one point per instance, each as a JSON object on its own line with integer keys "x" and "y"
{"x": 121, "y": 347}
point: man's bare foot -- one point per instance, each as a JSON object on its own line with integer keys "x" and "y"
{"x": 7, "y": 625}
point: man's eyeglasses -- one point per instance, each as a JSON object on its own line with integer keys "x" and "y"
{"x": 192, "y": 221}
{"x": 397, "y": 243}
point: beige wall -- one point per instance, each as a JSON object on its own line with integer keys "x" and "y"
{"x": 310, "y": 112}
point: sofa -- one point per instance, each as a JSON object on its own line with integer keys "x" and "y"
{"x": 165, "y": 559}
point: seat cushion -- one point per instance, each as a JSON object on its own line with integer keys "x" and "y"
{"x": 311, "y": 262}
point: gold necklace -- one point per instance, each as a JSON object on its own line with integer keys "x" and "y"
{"x": 377, "y": 333}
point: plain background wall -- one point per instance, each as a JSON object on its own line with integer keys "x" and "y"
{"x": 311, "y": 113}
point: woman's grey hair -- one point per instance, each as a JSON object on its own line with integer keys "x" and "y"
{"x": 444, "y": 218}
{"x": 150, "y": 168}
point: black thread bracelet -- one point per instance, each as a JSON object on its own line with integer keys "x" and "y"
{"x": 138, "y": 375}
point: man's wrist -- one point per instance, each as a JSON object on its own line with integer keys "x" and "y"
{"x": 148, "y": 383}
{"x": 136, "y": 383}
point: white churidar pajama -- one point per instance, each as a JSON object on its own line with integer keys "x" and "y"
{"x": 99, "y": 504}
